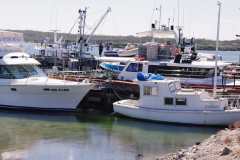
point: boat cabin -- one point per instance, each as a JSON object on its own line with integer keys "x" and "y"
{"x": 168, "y": 95}
{"x": 19, "y": 65}
{"x": 196, "y": 70}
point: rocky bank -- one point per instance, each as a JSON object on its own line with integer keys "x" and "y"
{"x": 225, "y": 145}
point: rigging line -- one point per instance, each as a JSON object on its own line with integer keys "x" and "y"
{"x": 71, "y": 29}
{"x": 152, "y": 18}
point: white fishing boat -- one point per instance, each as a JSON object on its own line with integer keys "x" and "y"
{"x": 24, "y": 86}
{"x": 198, "y": 72}
{"x": 165, "y": 101}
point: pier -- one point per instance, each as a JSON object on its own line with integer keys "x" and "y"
{"x": 109, "y": 90}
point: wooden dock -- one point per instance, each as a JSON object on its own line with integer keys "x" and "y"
{"x": 107, "y": 91}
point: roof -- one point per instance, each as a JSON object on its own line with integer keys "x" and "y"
{"x": 155, "y": 82}
{"x": 158, "y": 34}
{"x": 197, "y": 64}
{"x": 18, "y": 58}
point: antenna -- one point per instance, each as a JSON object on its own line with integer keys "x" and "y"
{"x": 160, "y": 16}
{"x": 183, "y": 18}
{"x": 173, "y": 18}
{"x": 178, "y": 5}
{"x": 169, "y": 20}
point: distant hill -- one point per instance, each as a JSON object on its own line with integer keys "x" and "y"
{"x": 121, "y": 41}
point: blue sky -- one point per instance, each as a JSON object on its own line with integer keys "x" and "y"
{"x": 199, "y": 17}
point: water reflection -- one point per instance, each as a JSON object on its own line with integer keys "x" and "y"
{"x": 90, "y": 136}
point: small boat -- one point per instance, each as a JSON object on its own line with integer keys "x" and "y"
{"x": 164, "y": 100}
{"x": 114, "y": 67}
{"x": 130, "y": 50}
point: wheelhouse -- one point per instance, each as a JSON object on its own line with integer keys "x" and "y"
{"x": 20, "y": 71}
{"x": 183, "y": 72}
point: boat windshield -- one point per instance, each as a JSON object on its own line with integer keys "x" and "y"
{"x": 20, "y": 71}
{"x": 5, "y": 49}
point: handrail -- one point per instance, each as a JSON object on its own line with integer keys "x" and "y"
{"x": 233, "y": 101}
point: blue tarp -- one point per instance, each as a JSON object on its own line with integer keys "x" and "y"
{"x": 112, "y": 67}
{"x": 149, "y": 76}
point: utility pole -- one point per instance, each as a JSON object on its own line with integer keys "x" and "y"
{"x": 217, "y": 48}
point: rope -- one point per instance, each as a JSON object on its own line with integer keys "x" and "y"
{"x": 114, "y": 91}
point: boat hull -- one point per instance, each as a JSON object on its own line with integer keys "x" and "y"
{"x": 52, "y": 97}
{"x": 221, "y": 118}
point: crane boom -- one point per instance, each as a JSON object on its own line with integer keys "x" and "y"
{"x": 98, "y": 24}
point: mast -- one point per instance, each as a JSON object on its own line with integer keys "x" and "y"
{"x": 217, "y": 47}
{"x": 179, "y": 27}
{"x": 156, "y": 25}
{"x": 82, "y": 21}
{"x": 55, "y": 45}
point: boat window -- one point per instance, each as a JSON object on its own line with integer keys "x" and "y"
{"x": 4, "y": 73}
{"x": 181, "y": 101}
{"x": 164, "y": 53}
{"x": 181, "y": 71}
{"x": 150, "y": 91}
{"x": 168, "y": 101}
{"x": 19, "y": 71}
{"x": 134, "y": 67}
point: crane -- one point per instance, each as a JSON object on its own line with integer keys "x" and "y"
{"x": 98, "y": 24}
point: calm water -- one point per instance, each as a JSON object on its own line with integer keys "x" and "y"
{"x": 91, "y": 136}
{"x": 230, "y": 56}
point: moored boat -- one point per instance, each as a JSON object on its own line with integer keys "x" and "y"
{"x": 165, "y": 101}
{"x": 24, "y": 86}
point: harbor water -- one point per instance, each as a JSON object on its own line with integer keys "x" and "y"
{"x": 88, "y": 136}
{"x": 229, "y": 56}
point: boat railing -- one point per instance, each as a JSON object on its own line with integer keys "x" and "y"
{"x": 79, "y": 75}
{"x": 233, "y": 101}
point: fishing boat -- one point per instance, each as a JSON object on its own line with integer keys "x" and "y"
{"x": 198, "y": 72}
{"x": 131, "y": 50}
{"x": 164, "y": 100}
{"x": 175, "y": 57}
{"x": 24, "y": 86}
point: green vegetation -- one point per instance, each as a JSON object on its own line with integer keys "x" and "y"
{"x": 121, "y": 41}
